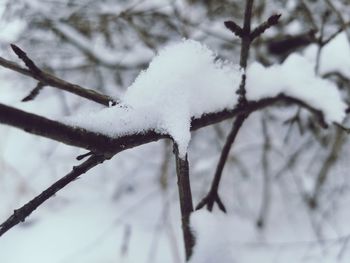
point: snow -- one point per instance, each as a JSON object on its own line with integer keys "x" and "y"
{"x": 296, "y": 78}
{"x": 211, "y": 246}
{"x": 185, "y": 81}
{"x": 191, "y": 84}
{"x": 9, "y": 32}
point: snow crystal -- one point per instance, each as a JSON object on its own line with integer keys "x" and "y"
{"x": 296, "y": 78}
{"x": 185, "y": 81}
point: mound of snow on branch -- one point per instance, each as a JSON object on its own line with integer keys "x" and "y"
{"x": 185, "y": 80}
{"x": 296, "y": 78}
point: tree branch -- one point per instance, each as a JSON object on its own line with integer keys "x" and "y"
{"x": 247, "y": 37}
{"x": 53, "y": 81}
{"x": 328, "y": 163}
{"x": 103, "y": 144}
{"x": 271, "y": 21}
{"x": 19, "y": 215}
{"x": 213, "y": 195}
{"x": 34, "y": 93}
{"x": 184, "y": 187}
{"x": 266, "y": 184}
{"x": 234, "y": 28}
{"x": 54, "y": 130}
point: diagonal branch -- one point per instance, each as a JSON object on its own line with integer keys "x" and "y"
{"x": 108, "y": 147}
{"x": 34, "y": 92}
{"x": 271, "y": 21}
{"x": 52, "y": 80}
{"x": 329, "y": 162}
{"x": 213, "y": 195}
{"x": 15, "y": 67}
{"x": 266, "y": 183}
{"x": 54, "y": 130}
{"x": 19, "y": 215}
{"x": 234, "y": 28}
{"x": 27, "y": 61}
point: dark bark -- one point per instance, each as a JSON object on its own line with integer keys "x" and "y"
{"x": 213, "y": 195}
{"x": 185, "y": 195}
{"x": 53, "y": 81}
{"x": 99, "y": 143}
{"x": 19, "y": 215}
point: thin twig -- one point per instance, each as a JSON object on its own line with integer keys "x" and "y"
{"x": 320, "y": 41}
{"x": 244, "y": 34}
{"x": 247, "y": 37}
{"x": 328, "y": 163}
{"x": 344, "y": 24}
{"x": 27, "y": 61}
{"x": 266, "y": 192}
{"x": 309, "y": 14}
{"x": 19, "y": 215}
{"x": 83, "y": 156}
{"x": 213, "y": 196}
{"x": 34, "y": 93}
{"x": 271, "y": 21}
{"x": 54, "y": 81}
{"x": 234, "y": 28}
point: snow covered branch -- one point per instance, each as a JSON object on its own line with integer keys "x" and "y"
{"x": 104, "y": 144}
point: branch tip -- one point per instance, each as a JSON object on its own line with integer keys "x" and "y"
{"x": 234, "y": 28}
{"x": 271, "y": 21}
{"x": 82, "y": 156}
{"x": 34, "y": 93}
{"x": 19, "y": 52}
{"x": 27, "y": 61}
{"x": 274, "y": 19}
